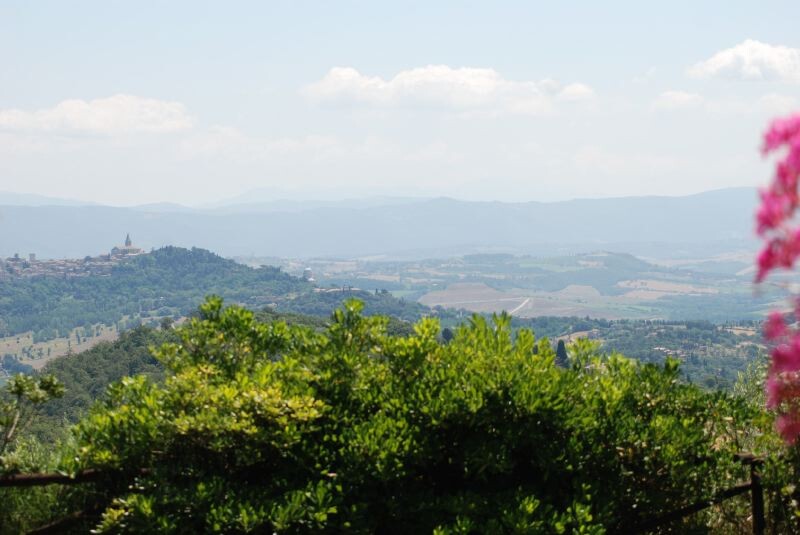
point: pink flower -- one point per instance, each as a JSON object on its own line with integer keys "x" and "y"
{"x": 772, "y": 388}
{"x": 775, "y": 326}
{"x": 780, "y": 132}
{"x": 766, "y": 262}
{"x": 786, "y": 356}
{"x": 782, "y": 387}
{"x": 788, "y": 425}
{"x": 779, "y": 252}
{"x": 786, "y": 178}
{"x": 792, "y": 158}
{"x": 773, "y": 222}
{"x": 773, "y": 210}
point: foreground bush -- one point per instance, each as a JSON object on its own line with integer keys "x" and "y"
{"x": 268, "y": 428}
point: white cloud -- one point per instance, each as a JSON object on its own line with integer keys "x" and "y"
{"x": 645, "y": 77}
{"x": 751, "y": 60}
{"x": 775, "y": 104}
{"x": 769, "y": 104}
{"x": 442, "y": 86}
{"x": 574, "y": 92}
{"x": 675, "y": 100}
{"x": 232, "y": 143}
{"x": 112, "y": 115}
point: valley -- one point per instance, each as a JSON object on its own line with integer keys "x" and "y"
{"x": 599, "y": 285}
{"x": 647, "y": 310}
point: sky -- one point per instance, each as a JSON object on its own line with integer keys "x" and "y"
{"x": 195, "y": 102}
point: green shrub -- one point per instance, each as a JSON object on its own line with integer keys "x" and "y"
{"x": 271, "y": 428}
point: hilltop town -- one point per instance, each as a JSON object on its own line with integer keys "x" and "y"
{"x": 20, "y": 267}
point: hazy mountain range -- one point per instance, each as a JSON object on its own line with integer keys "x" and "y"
{"x": 707, "y": 223}
{"x": 30, "y": 199}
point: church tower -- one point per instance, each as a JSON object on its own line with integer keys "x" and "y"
{"x": 125, "y": 250}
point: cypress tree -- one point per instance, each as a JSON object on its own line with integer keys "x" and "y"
{"x": 561, "y": 354}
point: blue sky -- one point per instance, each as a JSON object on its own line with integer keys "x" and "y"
{"x": 193, "y": 102}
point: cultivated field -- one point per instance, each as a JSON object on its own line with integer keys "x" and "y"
{"x": 574, "y": 300}
{"x": 37, "y": 354}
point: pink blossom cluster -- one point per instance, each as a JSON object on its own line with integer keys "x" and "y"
{"x": 779, "y": 204}
{"x": 783, "y": 380}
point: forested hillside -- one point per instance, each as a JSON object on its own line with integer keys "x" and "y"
{"x": 167, "y": 282}
{"x": 711, "y": 355}
{"x": 375, "y": 303}
{"x": 86, "y": 376}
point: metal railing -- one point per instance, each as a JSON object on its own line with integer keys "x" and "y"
{"x": 754, "y": 487}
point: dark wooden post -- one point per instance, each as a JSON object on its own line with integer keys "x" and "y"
{"x": 757, "y": 498}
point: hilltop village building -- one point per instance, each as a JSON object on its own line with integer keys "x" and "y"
{"x": 126, "y": 250}
{"x": 17, "y": 266}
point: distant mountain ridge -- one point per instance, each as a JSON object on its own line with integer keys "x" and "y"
{"x": 433, "y": 227}
{"x": 30, "y": 199}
